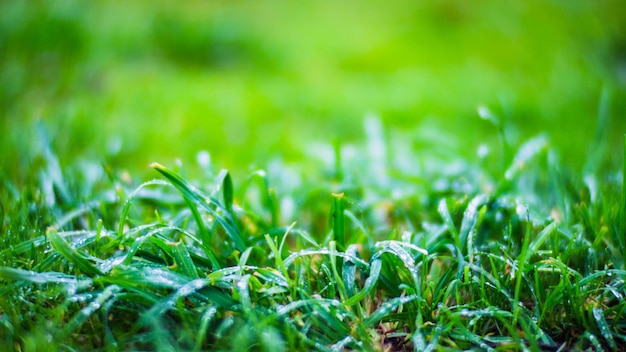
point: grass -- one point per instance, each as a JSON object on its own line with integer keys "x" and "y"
{"x": 419, "y": 227}
{"x": 436, "y": 258}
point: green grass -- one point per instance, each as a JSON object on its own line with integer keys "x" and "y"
{"x": 422, "y": 259}
{"x": 480, "y": 204}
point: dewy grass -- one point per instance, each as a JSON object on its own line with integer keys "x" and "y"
{"x": 168, "y": 264}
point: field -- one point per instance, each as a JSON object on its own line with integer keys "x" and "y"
{"x": 384, "y": 176}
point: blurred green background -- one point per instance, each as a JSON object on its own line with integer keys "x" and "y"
{"x": 128, "y": 83}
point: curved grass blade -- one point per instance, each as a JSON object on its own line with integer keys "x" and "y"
{"x": 169, "y": 302}
{"x": 542, "y": 237}
{"x": 192, "y": 196}
{"x": 129, "y": 201}
{"x": 14, "y": 274}
{"x": 386, "y": 308}
{"x": 268, "y": 197}
{"x": 293, "y": 256}
{"x": 370, "y": 283}
{"x": 79, "y": 259}
{"x": 84, "y": 314}
{"x": 526, "y": 152}
{"x": 447, "y": 220}
{"x": 470, "y": 218}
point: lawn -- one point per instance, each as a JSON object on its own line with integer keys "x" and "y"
{"x": 401, "y": 176}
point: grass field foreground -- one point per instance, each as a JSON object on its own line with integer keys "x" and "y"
{"x": 390, "y": 251}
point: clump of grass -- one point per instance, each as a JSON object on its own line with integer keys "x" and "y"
{"x": 529, "y": 259}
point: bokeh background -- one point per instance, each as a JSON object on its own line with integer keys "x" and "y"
{"x": 128, "y": 83}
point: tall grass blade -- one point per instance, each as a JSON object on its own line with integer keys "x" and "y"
{"x": 338, "y": 218}
{"x": 348, "y": 271}
{"x": 519, "y": 273}
{"x": 268, "y": 198}
{"x": 194, "y": 197}
{"x": 227, "y": 192}
{"x": 129, "y": 202}
{"x": 470, "y": 217}
{"x": 623, "y": 211}
{"x": 447, "y": 220}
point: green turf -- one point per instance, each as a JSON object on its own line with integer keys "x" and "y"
{"x": 403, "y": 176}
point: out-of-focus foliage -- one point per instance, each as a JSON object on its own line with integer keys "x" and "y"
{"x": 128, "y": 83}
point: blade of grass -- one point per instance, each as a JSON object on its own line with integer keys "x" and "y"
{"x": 623, "y": 211}
{"x": 605, "y": 330}
{"x": 370, "y": 283}
{"x": 447, "y": 220}
{"x": 268, "y": 199}
{"x": 521, "y": 263}
{"x": 81, "y": 317}
{"x": 194, "y": 197}
{"x": 338, "y": 220}
{"x": 470, "y": 218}
{"x": 278, "y": 260}
{"x": 79, "y": 259}
{"x": 227, "y": 191}
{"x": 348, "y": 270}
{"x": 14, "y": 274}
{"x": 129, "y": 202}
{"x": 386, "y": 308}
{"x": 203, "y": 327}
{"x": 542, "y": 237}
{"x": 182, "y": 259}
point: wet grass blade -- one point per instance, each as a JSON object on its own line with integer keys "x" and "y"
{"x": 470, "y": 218}
{"x": 348, "y": 271}
{"x": 447, "y": 220}
{"x": 386, "y": 308}
{"x": 128, "y": 203}
{"x": 14, "y": 274}
{"x": 605, "y": 330}
{"x": 194, "y": 197}
{"x": 79, "y": 259}
{"x": 370, "y": 283}
{"x": 519, "y": 273}
{"x": 181, "y": 256}
{"x": 92, "y": 307}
